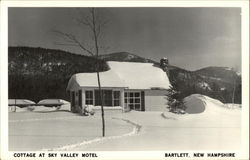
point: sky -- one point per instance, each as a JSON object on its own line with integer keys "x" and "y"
{"x": 191, "y": 38}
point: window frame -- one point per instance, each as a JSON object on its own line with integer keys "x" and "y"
{"x": 116, "y": 99}
{"x": 90, "y": 98}
{"x": 130, "y": 99}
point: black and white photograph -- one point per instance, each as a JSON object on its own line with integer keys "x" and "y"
{"x": 87, "y": 79}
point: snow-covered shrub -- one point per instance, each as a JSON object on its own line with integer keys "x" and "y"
{"x": 87, "y": 110}
{"x": 90, "y": 109}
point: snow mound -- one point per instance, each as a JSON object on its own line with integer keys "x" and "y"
{"x": 194, "y": 104}
{"x": 197, "y": 103}
{"x": 65, "y": 107}
{"x": 43, "y": 109}
{"x": 21, "y": 109}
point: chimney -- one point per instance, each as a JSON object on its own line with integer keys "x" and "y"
{"x": 164, "y": 65}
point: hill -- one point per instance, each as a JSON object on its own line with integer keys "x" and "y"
{"x": 38, "y": 73}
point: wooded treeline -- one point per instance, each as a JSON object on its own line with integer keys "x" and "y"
{"x": 38, "y": 73}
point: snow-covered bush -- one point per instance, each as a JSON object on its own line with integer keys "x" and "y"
{"x": 87, "y": 110}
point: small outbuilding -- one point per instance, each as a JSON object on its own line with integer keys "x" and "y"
{"x": 138, "y": 86}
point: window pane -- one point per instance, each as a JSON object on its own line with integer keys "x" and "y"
{"x": 116, "y": 103}
{"x": 89, "y": 101}
{"x": 137, "y": 94}
{"x": 131, "y": 100}
{"x": 131, "y": 106}
{"x": 89, "y": 94}
{"x": 126, "y": 100}
{"x": 137, "y": 107}
{"x": 126, "y": 94}
{"x": 137, "y": 100}
{"x": 117, "y": 94}
{"x": 131, "y": 94}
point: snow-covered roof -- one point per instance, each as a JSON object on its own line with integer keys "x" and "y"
{"x": 131, "y": 75}
{"x": 108, "y": 79}
{"x": 52, "y": 101}
{"x": 20, "y": 102}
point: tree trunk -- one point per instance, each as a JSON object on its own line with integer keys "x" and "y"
{"x": 97, "y": 71}
{"x": 101, "y": 98}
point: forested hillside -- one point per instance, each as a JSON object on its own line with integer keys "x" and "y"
{"x": 38, "y": 73}
{"x": 216, "y": 82}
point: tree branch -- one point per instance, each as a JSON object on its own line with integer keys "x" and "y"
{"x": 85, "y": 22}
{"x": 73, "y": 41}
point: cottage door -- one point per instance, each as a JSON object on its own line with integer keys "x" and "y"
{"x": 107, "y": 97}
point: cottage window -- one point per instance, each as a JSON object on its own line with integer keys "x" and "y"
{"x": 133, "y": 100}
{"x": 89, "y": 97}
{"x": 116, "y": 98}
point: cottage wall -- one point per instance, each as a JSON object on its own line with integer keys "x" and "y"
{"x": 155, "y": 100}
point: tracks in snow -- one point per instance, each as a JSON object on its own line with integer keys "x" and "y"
{"x": 135, "y": 131}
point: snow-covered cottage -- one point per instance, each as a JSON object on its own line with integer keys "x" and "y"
{"x": 139, "y": 86}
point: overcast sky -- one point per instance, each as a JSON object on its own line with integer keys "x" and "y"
{"x": 191, "y": 38}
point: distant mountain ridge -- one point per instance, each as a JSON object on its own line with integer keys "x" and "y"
{"x": 37, "y": 73}
{"x": 125, "y": 57}
{"x": 220, "y": 73}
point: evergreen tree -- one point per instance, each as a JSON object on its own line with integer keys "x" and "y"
{"x": 175, "y": 102}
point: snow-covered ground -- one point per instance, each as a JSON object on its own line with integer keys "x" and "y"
{"x": 210, "y": 125}
{"x": 48, "y": 130}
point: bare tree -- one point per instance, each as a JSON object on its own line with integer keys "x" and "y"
{"x": 95, "y": 25}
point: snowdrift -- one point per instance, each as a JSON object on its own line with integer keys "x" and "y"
{"x": 21, "y": 109}
{"x": 197, "y": 103}
{"x": 43, "y": 109}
